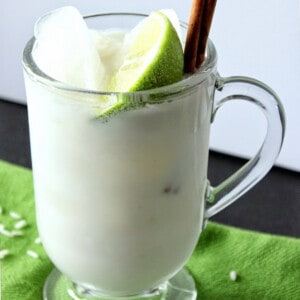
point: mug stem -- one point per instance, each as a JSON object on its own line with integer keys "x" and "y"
{"x": 259, "y": 94}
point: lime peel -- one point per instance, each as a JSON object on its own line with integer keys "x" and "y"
{"x": 154, "y": 59}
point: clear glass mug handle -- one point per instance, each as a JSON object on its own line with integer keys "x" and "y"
{"x": 254, "y": 170}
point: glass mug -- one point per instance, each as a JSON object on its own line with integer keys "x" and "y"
{"x": 121, "y": 201}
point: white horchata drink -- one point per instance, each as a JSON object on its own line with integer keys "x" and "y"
{"x": 118, "y": 203}
{"x": 119, "y": 200}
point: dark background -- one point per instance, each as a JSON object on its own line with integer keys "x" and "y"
{"x": 272, "y": 206}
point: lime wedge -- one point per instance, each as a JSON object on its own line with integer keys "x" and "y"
{"x": 154, "y": 59}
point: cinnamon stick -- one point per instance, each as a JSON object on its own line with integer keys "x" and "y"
{"x": 193, "y": 35}
{"x": 198, "y": 30}
{"x": 207, "y": 16}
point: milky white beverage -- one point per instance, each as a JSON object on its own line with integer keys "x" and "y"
{"x": 118, "y": 201}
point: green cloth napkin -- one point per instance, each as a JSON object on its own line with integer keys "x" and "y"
{"x": 267, "y": 266}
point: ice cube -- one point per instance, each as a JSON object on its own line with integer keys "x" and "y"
{"x": 64, "y": 49}
{"x": 110, "y": 47}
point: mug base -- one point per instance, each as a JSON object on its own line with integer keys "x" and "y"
{"x": 59, "y": 287}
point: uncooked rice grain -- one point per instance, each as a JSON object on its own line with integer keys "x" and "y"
{"x": 20, "y": 224}
{"x": 233, "y": 275}
{"x": 32, "y": 253}
{"x": 16, "y": 233}
{"x": 3, "y": 253}
{"x": 38, "y": 240}
{"x": 15, "y": 215}
{"x": 5, "y": 232}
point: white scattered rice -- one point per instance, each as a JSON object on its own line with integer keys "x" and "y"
{"x": 8, "y": 233}
{"x": 16, "y": 233}
{"x": 5, "y": 232}
{"x": 233, "y": 275}
{"x": 32, "y": 254}
{"x": 38, "y": 240}
{"x": 15, "y": 215}
{"x": 20, "y": 224}
{"x": 3, "y": 253}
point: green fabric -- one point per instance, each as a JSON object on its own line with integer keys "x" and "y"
{"x": 268, "y": 266}
{"x": 22, "y": 275}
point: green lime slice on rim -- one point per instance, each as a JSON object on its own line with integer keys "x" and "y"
{"x": 154, "y": 59}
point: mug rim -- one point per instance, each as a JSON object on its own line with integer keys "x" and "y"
{"x": 189, "y": 81}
